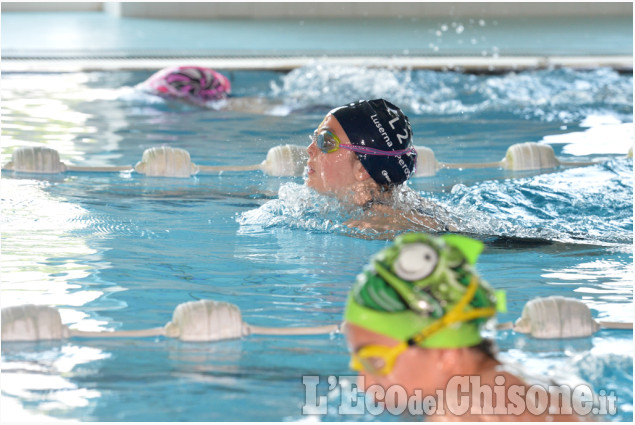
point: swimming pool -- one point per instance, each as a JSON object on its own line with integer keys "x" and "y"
{"x": 121, "y": 251}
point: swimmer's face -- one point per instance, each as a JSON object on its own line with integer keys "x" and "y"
{"x": 415, "y": 369}
{"x": 334, "y": 173}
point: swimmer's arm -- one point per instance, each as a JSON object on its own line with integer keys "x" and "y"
{"x": 386, "y": 222}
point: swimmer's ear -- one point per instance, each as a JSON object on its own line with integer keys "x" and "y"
{"x": 360, "y": 172}
{"x": 470, "y": 248}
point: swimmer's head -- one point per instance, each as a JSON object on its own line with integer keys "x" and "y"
{"x": 378, "y": 124}
{"x": 194, "y": 84}
{"x": 424, "y": 291}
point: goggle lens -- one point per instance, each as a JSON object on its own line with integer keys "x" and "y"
{"x": 326, "y": 141}
{"x": 376, "y": 359}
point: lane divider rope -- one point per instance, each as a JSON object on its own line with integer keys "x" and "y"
{"x": 209, "y": 320}
{"x": 283, "y": 160}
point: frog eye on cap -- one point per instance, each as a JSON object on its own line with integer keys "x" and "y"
{"x": 416, "y": 261}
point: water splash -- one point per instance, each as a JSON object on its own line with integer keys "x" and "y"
{"x": 546, "y": 95}
{"x": 297, "y": 207}
{"x": 553, "y": 95}
{"x": 325, "y": 85}
{"x": 569, "y": 206}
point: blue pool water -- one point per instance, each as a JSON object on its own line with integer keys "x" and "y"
{"x": 121, "y": 251}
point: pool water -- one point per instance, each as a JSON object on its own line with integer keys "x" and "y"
{"x": 121, "y": 251}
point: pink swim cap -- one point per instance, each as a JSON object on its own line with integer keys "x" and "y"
{"x": 191, "y": 83}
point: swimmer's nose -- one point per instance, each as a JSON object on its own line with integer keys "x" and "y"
{"x": 312, "y": 149}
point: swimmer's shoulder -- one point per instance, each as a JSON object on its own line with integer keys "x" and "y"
{"x": 433, "y": 211}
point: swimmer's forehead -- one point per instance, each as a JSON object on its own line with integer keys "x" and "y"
{"x": 358, "y": 337}
{"x": 331, "y": 124}
{"x": 326, "y": 127}
{"x": 323, "y": 124}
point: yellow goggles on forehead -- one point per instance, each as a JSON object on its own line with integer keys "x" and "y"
{"x": 381, "y": 359}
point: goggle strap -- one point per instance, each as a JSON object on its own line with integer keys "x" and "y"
{"x": 467, "y": 297}
{"x": 457, "y": 314}
{"x": 372, "y": 151}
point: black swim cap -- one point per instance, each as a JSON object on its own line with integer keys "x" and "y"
{"x": 380, "y": 125}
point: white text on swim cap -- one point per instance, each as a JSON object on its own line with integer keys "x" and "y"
{"x": 381, "y": 130}
{"x": 402, "y": 138}
{"x": 406, "y": 170}
{"x": 399, "y": 136}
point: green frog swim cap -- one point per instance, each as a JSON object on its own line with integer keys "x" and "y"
{"x": 420, "y": 281}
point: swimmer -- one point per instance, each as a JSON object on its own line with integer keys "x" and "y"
{"x": 362, "y": 153}
{"x": 413, "y": 319}
{"x": 202, "y": 87}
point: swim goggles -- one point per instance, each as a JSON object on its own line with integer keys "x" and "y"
{"x": 328, "y": 142}
{"x": 380, "y": 359}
